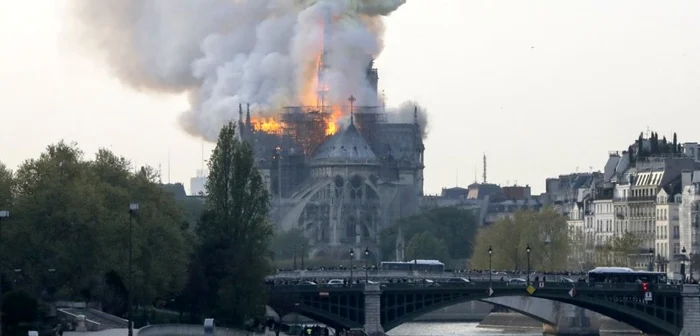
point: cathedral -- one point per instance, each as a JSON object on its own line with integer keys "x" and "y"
{"x": 341, "y": 189}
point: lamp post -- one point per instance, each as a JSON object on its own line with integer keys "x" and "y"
{"x": 690, "y": 267}
{"x": 302, "y": 257}
{"x": 527, "y": 249}
{"x": 366, "y": 266}
{"x": 133, "y": 208}
{"x": 352, "y": 256}
{"x": 683, "y": 251}
{"x": 295, "y": 257}
{"x": 490, "y": 268}
{"x": 399, "y": 253}
{"x": 3, "y": 214}
{"x": 547, "y": 243}
{"x": 651, "y": 259}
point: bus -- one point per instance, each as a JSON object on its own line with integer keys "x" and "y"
{"x": 429, "y": 266}
{"x": 625, "y": 275}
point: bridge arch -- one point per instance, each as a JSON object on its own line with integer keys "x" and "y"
{"x": 410, "y": 308}
{"x": 399, "y": 303}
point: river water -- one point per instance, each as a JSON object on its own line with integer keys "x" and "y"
{"x": 466, "y": 329}
{"x": 456, "y": 329}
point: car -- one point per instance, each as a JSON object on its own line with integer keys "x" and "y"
{"x": 336, "y": 282}
{"x": 428, "y": 282}
{"x": 517, "y": 282}
{"x": 458, "y": 281}
{"x": 306, "y": 283}
{"x": 369, "y": 282}
{"x": 566, "y": 280}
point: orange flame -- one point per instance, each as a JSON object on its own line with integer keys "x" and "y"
{"x": 267, "y": 125}
{"x": 332, "y": 124}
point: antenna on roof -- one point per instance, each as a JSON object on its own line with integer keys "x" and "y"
{"x": 168, "y": 166}
{"x": 457, "y": 178}
{"x": 484, "y": 175}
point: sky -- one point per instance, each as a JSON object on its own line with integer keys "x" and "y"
{"x": 543, "y": 88}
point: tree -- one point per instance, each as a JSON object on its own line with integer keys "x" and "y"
{"x": 68, "y": 229}
{"x": 425, "y": 245}
{"x": 546, "y": 232}
{"x": 456, "y": 227}
{"x": 234, "y": 233}
{"x": 622, "y": 246}
{"x": 577, "y": 257}
{"x": 675, "y": 143}
{"x": 5, "y": 187}
{"x": 285, "y": 245}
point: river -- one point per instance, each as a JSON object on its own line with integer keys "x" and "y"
{"x": 463, "y": 329}
{"x": 455, "y": 329}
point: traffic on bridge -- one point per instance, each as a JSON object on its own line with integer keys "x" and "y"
{"x": 644, "y": 299}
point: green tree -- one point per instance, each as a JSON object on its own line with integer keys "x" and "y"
{"x": 456, "y": 227}
{"x": 6, "y": 181}
{"x": 234, "y": 233}
{"x": 284, "y": 244}
{"x": 69, "y": 223}
{"x": 425, "y": 245}
{"x": 622, "y": 246}
{"x": 546, "y": 233}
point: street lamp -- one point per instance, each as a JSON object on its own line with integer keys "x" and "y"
{"x": 690, "y": 267}
{"x": 651, "y": 259}
{"x": 683, "y": 252}
{"x": 302, "y": 257}
{"x": 133, "y": 208}
{"x": 490, "y": 268}
{"x": 527, "y": 249}
{"x": 352, "y": 256}
{"x": 295, "y": 257}
{"x": 3, "y": 214}
{"x": 366, "y": 266}
{"x": 547, "y": 242}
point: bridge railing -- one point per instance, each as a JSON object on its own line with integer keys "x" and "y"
{"x": 484, "y": 285}
{"x": 382, "y": 274}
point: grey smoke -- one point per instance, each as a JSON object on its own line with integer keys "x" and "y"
{"x": 405, "y": 113}
{"x": 225, "y": 52}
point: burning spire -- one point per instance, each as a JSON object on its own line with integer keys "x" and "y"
{"x": 321, "y": 83}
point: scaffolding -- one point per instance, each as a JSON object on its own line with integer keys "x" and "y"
{"x": 306, "y": 126}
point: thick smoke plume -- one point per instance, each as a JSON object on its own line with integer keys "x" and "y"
{"x": 406, "y": 113}
{"x": 225, "y": 52}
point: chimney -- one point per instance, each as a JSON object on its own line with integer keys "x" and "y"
{"x": 686, "y": 178}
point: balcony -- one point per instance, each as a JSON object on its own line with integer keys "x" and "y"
{"x": 642, "y": 199}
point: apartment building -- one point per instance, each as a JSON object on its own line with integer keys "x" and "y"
{"x": 667, "y": 230}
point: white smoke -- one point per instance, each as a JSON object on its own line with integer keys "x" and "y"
{"x": 225, "y": 52}
{"x": 408, "y": 112}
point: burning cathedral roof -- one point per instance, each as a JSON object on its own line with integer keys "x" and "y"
{"x": 347, "y": 147}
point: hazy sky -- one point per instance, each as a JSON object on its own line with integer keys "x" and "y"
{"x": 542, "y": 87}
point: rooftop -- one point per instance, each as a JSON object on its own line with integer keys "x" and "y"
{"x": 345, "y": 147}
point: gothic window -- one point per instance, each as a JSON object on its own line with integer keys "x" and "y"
{"x": 356, "y": 184}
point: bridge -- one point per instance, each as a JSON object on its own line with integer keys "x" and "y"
{"x": 668, "y": 310}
